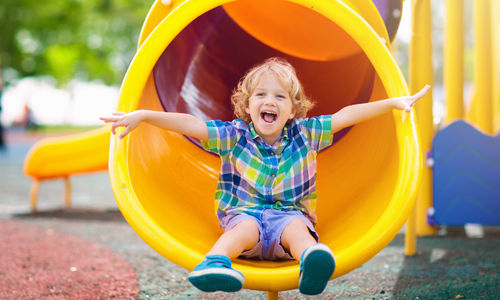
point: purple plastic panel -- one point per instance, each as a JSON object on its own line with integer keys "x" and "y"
{"x": 391, "y": 11}
{"x": 466, "y": 176}
{"x": 383, "y": 8}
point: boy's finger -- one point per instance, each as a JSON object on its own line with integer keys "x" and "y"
{"x": 124, "y": 132}
{"x": 422, "y": 92}
{"x": 113, "y": 127}
{"x": 425, "y": 90}
{"x": 109, "y": 119}
{"x": 118, "y": 113}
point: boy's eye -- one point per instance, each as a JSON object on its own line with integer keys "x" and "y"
{"x": 260, "y": 94}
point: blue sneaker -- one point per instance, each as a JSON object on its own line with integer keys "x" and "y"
{"x": 216, "y": 274}
{"x": 316, "y": 267}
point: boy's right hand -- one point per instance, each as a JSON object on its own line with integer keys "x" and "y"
{"x": 129, "y": 121}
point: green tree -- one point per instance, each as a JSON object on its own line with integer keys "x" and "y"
{"x": 86, "y": 39}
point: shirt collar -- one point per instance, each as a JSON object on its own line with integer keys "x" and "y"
{"x": 284, "y": 135}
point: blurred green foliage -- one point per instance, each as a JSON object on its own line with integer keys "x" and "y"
{"x": 84, "y": 39}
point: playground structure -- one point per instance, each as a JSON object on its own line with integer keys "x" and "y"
{"x": 190, "y": 55}
{"x": 61, "y": 157}
{"x": 483, "y": 113}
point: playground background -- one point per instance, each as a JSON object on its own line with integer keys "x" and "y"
{"x": 79, "y": 96}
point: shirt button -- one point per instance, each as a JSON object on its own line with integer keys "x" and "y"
{"x": 269, "y": 192}
{"x": 272, "y": 153}
{"x": 274, "y": 175}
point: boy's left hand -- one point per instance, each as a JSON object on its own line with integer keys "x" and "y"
{"x": 406, "y": 103}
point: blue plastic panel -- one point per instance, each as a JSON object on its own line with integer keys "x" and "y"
{"x": 466, "y": 176}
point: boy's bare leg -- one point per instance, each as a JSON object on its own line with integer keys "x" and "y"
{"x": 297, "y": 238}
{"x": 317, "y": 265}
{"x": 215, "y": 272}
{"x": 243, "y": 236}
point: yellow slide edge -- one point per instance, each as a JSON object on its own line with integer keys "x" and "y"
{"x": 73, "y": 154}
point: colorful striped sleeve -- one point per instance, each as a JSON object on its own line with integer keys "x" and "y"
{"x": 318, "y": 131}
{"x": 222, "y": 136}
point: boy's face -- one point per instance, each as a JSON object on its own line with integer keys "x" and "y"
{"x": 270, "y": 107}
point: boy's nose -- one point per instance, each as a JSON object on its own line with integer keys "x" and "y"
{"x": 269, "y": 101}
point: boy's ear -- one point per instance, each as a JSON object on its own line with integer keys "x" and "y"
{"x": 292, "y": 114}
{"x": 247, "y": 110}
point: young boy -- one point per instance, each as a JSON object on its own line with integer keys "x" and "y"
{"x": 266, "y": 194}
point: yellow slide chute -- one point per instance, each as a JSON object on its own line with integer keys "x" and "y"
{"x": 63, "y": 156}
{"x": 191, "y": 55}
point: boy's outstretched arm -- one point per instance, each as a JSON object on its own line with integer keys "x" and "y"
{"x": 358, "y": 113}
{"x": 177, "y": 122}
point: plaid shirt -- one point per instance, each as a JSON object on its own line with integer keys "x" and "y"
{"x": 255, "y": 176}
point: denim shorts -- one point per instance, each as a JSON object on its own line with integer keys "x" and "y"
{"x": 271, "y": 226}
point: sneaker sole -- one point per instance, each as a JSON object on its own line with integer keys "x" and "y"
{"x": 212, "y": 280}
{"x": 318, "y": 267}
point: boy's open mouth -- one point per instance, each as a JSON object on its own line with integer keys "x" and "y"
{"x": 268, "y": 116}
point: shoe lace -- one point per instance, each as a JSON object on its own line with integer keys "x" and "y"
{"x": 221, "y": 261}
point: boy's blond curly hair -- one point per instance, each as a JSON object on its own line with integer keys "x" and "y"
{"x": 284, "y": 72}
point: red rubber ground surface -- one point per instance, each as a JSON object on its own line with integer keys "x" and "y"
{"x": 36, "y": 264}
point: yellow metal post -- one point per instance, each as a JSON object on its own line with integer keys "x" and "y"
{"x": 410, "y": 235}
{"x": 34, "y": 194}
{"x": 454, "y": 60}
{"x": 481, "y": 112}
{"x": 422, "y": 73}
{"x": 67, "y": 200}
{"x": 272, "y": 295}
{"x": 496, "y": 66}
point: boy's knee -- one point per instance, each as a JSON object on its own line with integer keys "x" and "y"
{"x": 297, "y": 224}
{"x": 247, "y": 226}
{"x": 249, "y": 231}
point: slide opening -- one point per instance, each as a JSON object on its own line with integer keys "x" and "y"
{"x": 191, "y": 56}
{"x": 175, "y": 180}
{"x": 198, "y": 71}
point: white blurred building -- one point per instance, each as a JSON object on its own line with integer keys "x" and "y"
{"x": 80, "y": 105}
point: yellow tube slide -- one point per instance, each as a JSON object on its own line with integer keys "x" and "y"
{"x": 192, "y": 54}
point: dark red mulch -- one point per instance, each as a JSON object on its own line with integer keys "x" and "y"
{"x": 36, "y": 264}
